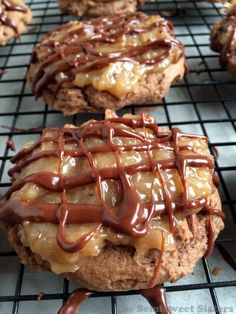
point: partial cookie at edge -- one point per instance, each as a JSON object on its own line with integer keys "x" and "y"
{"x": 223, "y": 41}
{"x": 98, "y": 8}
{"x": 20, "y": 19}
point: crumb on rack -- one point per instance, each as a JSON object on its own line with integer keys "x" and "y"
{"x": 216, "y": 271}
{"x": 40, "y": 295}
{"x": 2, "y": 72}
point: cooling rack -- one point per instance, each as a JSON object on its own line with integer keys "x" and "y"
{"x": 204, "y": 103}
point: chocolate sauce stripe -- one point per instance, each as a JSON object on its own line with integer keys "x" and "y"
{"x": 74, "y": 301}
{"x": 16, "y": 211}
{"x": 97, "y": 130}
{"x": 177, "y": 134}
{"x": 46, "y": 180}
{"x": 164, "y": 135}
{"x": 52, "y": 58}
{"x": 170, "y": 206}
{"x": 211, "y": 237}
{"x": 29, "y": 160}
{"x": 11, "y": 6}
{"x": 121, "y": 148}
{"x": 155, "y": 296}
{"x": 137, "y": 122}
{"x": 158, "y": 262}
{"x": 122, "y": 132}
{"x": 76, "y": 245}
{"x": 41, "y": 81}
{"x": 26, "y": 151}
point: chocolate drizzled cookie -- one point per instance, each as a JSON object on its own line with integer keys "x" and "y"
{"x": 223, "y": 39}
{"x": 107, "y": 62}
{"x": 116, "y": 204}
{"x": 99, "y": 7}
{"x": 14, "y": 16}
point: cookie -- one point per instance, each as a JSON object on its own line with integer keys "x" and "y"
{"x": 14, "y": 16}
{"x": 116, "y": 204}
{"x": 91, "y": 66}
{"x": 99, "y": 7}
{"x": 223, "y": 40}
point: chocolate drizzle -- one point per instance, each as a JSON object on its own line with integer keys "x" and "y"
{"x": 78, "y": 49}
{"x": 10, "y": 5}
{"x": 215, "y": 152}
{"x": 2, "y": 72}
{"x": 157, "y": 264}
{"x": 130, "y": 215}
{"x": 74, "y": 301}
{"x": 11, "y": 145}
{"x": 156, "y": 297}
{"x": 141, "y": 2}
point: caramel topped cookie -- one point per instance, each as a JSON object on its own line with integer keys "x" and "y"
{"x": 223, "y": 39}
{"x": 107, "y": 62}
{"x": 99, "y": 7}
{"x": 14, "y": 15}
{"x": 116, "y": 204}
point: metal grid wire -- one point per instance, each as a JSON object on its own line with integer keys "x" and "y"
{"x": 204, "y": 102}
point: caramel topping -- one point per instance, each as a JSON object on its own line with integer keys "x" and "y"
{"x": 10, "y": 5}
{"x": 110, "y": 53}
{"x": 121, "y": 173}
{"x": 42, "y": 240}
